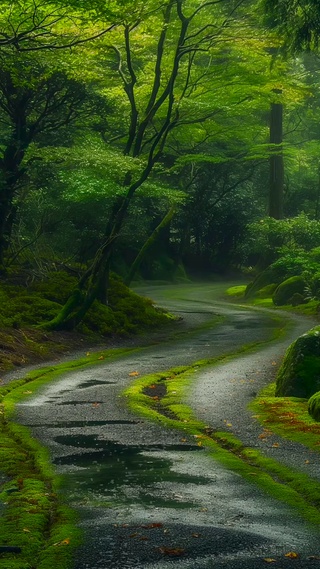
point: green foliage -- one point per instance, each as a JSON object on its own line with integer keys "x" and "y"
{"x": 298, "y": 23}
{"x": 56, "y": 286}
{"x": 292, "y": 264}
{"x": 273, "y": 237}
{"x": 314, "y": 406}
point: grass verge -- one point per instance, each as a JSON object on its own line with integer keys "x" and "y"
{"x": 286, "y": 485}
{"x": 287, "y": 416}
{"x": 33, "y": 516}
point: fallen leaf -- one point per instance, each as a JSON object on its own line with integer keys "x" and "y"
{"x": 176, "y": 552}
{"x": 26, "y": 530}
{"x": 196, "y": 534}
{"x": 183, "y": 440}
{"x": 275, "y": 445}
{"x": 292, "y": 555}
{"x": 88, "y": 354}
{"x": 133, "y": 373}
{"x": 134, "y": 535}
{"x": 153, "y": 525}
{"x": 316, "y": 557}
{"x": 27, "y": 392}
{"x": 228, "y": 424}
{"x": 63, "y": 542}
{"x": 101, "y": 358}
{"x": 152, "y": 386}
{"x": 95, "y": 404}
{"x": 274, "y": 363}
{"x": 270, "y": 560}
{"x": 307, "y": 461}
{"x": 199, "y": 444}
{"x": 143, "y": 538}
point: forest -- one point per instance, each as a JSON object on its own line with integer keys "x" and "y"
{"x": 147, "y": 143}
{"x": 158, "y": 141}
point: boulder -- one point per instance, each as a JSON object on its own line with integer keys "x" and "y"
{"x": 287, "y": 289}
{"x": 299, "y": 374}
{"x": 262, "y": 280}
{"x": 297, "y": 299}
{"x": 314, "y": 406}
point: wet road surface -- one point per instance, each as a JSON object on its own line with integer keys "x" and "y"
{"x": 146, "y": 499}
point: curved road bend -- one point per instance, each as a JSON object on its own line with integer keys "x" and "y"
{"x": 146, "y": 499}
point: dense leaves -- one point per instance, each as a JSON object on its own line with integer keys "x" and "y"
{"x": 112, "y": 113}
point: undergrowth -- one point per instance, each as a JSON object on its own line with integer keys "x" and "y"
{"x": 25, "y": 307}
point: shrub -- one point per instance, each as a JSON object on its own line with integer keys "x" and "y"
{"x": 127, "y": 312}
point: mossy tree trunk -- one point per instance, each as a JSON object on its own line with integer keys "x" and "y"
{"x": 149, "y": 242}
{"x": 276, "y": 160}
{"x": 93, "y": 284}
{"x": 143, "y": 141}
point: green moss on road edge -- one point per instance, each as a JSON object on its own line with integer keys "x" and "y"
{"x": 284, "y": 484}
{"x": 287, "y": 417}
{"x": 33, "y": 515}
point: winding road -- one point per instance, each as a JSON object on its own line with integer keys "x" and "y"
{"x": 150, "y": 499}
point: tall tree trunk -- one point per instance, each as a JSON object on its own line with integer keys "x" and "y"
{"x": 5, "y": 205}
{"x": 276, "y": 161}
{"x": 153, "y": 237}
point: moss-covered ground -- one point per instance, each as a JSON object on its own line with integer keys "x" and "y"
{"x": 24, "y": 308}
{"x": 33, "y": 516}
{"x": 158, "y": 397}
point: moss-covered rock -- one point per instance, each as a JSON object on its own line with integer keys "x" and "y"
{"x": 285, "y": 291}
{"x": 297, "y": 299}
{"x": 299, "y": 374}
{"x": 266, "y": 278}
{"x": 314, "y": 406}
{"x": 267, "y": 291}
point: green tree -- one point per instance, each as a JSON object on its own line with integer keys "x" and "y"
{"x": 28, "y": 25}
{"x": 298, "y": 22}
{"x": 37, "y": 104}
{"x": 162, "y": 85}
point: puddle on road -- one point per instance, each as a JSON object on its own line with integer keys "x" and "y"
{"x": 80, "y": 403}
{"x": 93, "y": 383}
{"x": 122, "y": 474}
{"x": 81, "y": 424}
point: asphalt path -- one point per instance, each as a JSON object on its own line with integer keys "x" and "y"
{"x": 149, "y": 499}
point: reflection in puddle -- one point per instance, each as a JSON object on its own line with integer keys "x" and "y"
{"x": 81, "y": 424}
{"x": 122, "y": 473}
{"x": 79, "y": 402}
{"x": 94, "y": 383}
